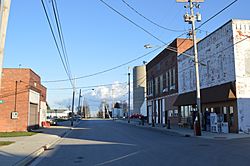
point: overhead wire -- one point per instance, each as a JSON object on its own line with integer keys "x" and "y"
{"x": 168, "y": 47}
{"x": 149, "y": 20}
{"x": 110, "y": 69}
{"x": 61, "y": 36}
{"x": 137, "y": 25}
{"x": 104, "y": 71}
{"x": 84, "y": 87}
{"x": 56, "y": 43}
{"x": 101, "y": 85}
{"x": 216, "y": 14}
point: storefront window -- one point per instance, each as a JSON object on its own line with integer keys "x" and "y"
{"x": 186, "y": 111}
{"x": 182, "y": 111}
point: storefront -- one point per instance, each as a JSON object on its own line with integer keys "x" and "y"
{"x": 219, "y": 108}
{"x": 220, "y": 117}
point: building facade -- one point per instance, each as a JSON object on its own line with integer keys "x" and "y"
{"x": 224, "y": 66}
{"x": 23, "y": 100}
{"x": 139, "y": 89}
{"x": 162, "y": 83}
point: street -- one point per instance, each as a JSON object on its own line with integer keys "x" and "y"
{"x": 100, "y": 142}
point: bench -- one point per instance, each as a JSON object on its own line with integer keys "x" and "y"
{"x": 183, "y": 122}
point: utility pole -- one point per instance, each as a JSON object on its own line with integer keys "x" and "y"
{"x": 113, "y": 110}
{"x": 79, "y": 104}
{"x": 191, "y": 19}
{"x": 4, "y": 10}
{"x": 128, "y": 97}
{"x": 72, "y": 108}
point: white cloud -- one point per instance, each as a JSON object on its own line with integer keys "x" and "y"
{"x": 116, "y": 91}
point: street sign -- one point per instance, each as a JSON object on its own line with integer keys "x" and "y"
{"x": 188, "y": 0}
{"x": 1, "y": 101}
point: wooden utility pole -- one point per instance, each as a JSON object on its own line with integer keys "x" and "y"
{"x": 191, "y": 18}
{"x": 4, "y": 9}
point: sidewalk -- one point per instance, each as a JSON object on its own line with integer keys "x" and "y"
{"x": 25, "y": 149}
{"x": 187, "y": 132}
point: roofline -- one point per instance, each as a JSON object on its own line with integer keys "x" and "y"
{"x": 23, "y": 69}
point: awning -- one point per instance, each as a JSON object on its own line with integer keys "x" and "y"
{"x": 220, "y": 93}
{"x": 186, "y": 99}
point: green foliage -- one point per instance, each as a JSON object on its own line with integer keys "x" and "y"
{"x": 16, "y": 134}
{"x": 4, "y": 143}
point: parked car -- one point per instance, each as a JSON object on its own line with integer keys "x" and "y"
{"x": 52, "y": 121}
{"x": 137, "y": 116}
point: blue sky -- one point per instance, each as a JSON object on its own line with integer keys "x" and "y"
{"x": 98, "y": 38}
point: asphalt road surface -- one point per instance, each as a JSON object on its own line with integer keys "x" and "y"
{"x": 108, "y": 143}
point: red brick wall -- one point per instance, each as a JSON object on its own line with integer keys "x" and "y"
{"x": 26, "y": 80}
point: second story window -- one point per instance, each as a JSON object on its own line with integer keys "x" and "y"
{"x": 161, "y": 84}
{"x": 156, "y": 86}
{"x": 173, "y": 80}
{"x": 167, "y": 81}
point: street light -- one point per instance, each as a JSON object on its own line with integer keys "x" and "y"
{"x": 128, "y": 95}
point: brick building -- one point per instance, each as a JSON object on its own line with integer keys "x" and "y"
{"x": 162, "y": 83}
{"x": 23, "y": 100}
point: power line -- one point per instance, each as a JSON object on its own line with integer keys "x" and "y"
{"x": 104, "y": 71}
{"x": 57, "y": 45}
{"x": 169, "y": 48}
{"x": 149, "y": 20}
{"x": 61, "y": 37}
{"x": 92, "y": 86}
{"x": 216, "y": 14}
{"x": 121, "y": 65}
{"x": 109, "y": 6}
{"x": 110, "y": 69}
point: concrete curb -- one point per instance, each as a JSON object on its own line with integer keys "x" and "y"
{"x": 31, "y": 157}
{"x": 164, "y": 130}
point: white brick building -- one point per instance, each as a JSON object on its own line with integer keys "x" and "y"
{"x": 224, "y": 68}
